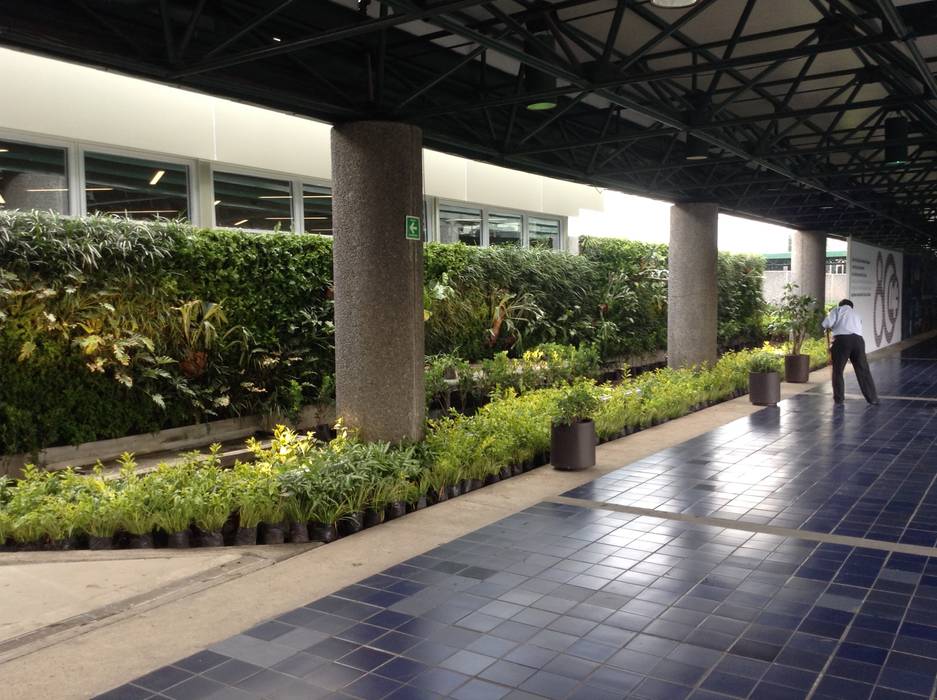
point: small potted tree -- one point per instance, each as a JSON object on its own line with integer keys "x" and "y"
{"x": 764, "y": 382}
{"x": 572, "y": 438}
{"x": 798, "y": 315}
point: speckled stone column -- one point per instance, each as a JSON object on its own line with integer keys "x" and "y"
{"x": 693, "y": 292}
{"x": 377, "y": 181}
{"x": 808, "y": 264}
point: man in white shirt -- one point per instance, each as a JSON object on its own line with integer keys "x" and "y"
{"x": 846, "y": 326}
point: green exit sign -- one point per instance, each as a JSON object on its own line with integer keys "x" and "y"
{"x": 413, "y": 229}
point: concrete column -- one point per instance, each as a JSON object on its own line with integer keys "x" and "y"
{"x": 808, "y": 264}
{"x": 377, "y": 181}
{"x": 692, "y": 292}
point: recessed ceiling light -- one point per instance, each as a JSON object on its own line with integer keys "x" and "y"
{"x": 98, "y": 189}
{"x": 277, "y": 39}
{"x": 4, "y": 150}
{"x": 275, "y": 196}
{"x": 48, "y": 189}
{"x": 217, "y": 202}
{"x": 242, "y": 221}
{"x": 157, "y": 176}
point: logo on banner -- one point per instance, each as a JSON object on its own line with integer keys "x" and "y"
{"x": 887, "y": 299}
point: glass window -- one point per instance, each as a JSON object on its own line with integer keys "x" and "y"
{"x": 246, "y": 201}
{"x": 32, "y": 177}
{"x": 460, "y": 224}
{"x": 317, "y": 209}
{"x": 136, "y": 188}
{"x": 544, "y": 233}
{"x": 504, "y": 229}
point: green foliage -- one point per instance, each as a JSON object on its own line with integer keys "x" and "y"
{"x": 797, "y": 316}
{"x": 765, "y": 362}
{"x": 578, "y": 402}
{"x": 741, "y": 304}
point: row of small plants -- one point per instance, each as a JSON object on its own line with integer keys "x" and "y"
{"x": 299, "y": 489}
{"x": 452, "y": 380}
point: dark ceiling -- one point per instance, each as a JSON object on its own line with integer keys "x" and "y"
{"x": 789, "y": 98}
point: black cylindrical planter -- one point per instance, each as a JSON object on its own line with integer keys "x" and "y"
{"x": 572, "y": 447}
{"x": 466, "y": 485}
{"x": 476, "y": 484}
{"x": 506, "y": 473}
{"x": 99, "y": 543}
{"x": 179, "y": 540}
{"x": 492, "y": 479}
{"x": 351, "y": 523}
{"x": 395, "y": 510}
{"x": 299, "y": 533}
{"x": 211, "y": 539}
{"x": 245, "y": 536}
{"x": 373, "y": 516}
{"x": 797, "y": 368}
{"x": 272, "y": 533}
{"x": 320, "y": 532}
{"x": 517, "y": 469}
{"x": 441, "y": 495}
{"x": 453, "y": 491}
{"x": 764, "y": 388}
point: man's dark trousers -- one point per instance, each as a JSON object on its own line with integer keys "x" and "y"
{"x": 852, "y": 348}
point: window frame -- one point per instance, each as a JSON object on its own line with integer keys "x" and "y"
{"x": 295, "y": 185}
{"x": 70, "y": 149}
{"x": 526, "y": 215}
{"x": 190, "y": 165}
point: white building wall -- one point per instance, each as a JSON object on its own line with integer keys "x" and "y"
{"x": 53, "y": 99}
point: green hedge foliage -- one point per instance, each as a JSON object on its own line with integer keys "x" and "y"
{"x": 111, "y": 327}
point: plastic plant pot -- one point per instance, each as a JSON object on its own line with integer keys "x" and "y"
{"x": 395, "y": 510}
{"x": 272, "y": 533}
{"x": 764, "y": 388}
{"x": 100, "y": 543}
{"x": 211, "y": 539}
{"x": 144, "y": 541}
{"x": 441, "y": 495}
{"x": 373, "y": 516}
{"x": 466, "y": 485}
{"x": 179, "y": 540}
{"x": 517, "y": 469}
{"x": 299, "y": 533}
{"x": 245, "y": 536}
{"x": 351, "y": 523}
{"x": 454, "y": 491}
{"x": 505, "y": 473}
{"x": 320, "y": 532}
{"x": 476, "y": 484}
{"x": 492, "y": 479}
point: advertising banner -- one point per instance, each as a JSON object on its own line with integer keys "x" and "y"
{"x": 875, "y": 277}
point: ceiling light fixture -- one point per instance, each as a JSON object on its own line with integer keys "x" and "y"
{"x": 697, "y": 148}
{"x": 4, "y": 150}
{"x": 98, "y": 189}
{"x": 896, "y": 136}
{"x": 2, "y": 200}
{"x": 48, "y": 189}
{"x": 275, "y": 196}
{"x": 238, "y": 223}
{"x": 216, "y": 202}
{"x": 157, "y": 176}
{"x": 673, "y": 4}
{"x": 535, "y": 80}
{"x": 277, "y": 39}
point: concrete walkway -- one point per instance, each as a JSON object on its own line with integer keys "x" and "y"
{"x": 150, "y": 610}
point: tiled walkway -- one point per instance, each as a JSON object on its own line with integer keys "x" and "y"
{"x": 593, "y": 602}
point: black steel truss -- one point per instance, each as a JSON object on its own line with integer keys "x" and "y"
{"x": 792, "y": 139}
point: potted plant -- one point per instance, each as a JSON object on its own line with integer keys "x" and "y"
{"x": 572, "y": 437}
{"x": 764, "y": 382}
{"x": 798, "y": 315}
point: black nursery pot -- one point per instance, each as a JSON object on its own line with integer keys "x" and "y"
{"x": 351, "y": 523}
{"x": 492, "y": 479}
{"x": 100, "y": 543}
{"x": 141, "y": 541}
{"x": 211, "y": 539}
{"x": 453, "y": 491}
{"x": 299, "y": 533}
{"x": 395, "y": 510}
{"x": 272, "y": 533}
{"x": 245, "y": 536}
{"x": 373, "y": 517}
{"x": 179, "y": 540}
{"x": 476, "y": 484}
{"x": 441, "y": 495}
{"x": 466, "y": 485}
{"x": 517, "y": 469}
{"x": 505, "y": 473}
{"x": 320, "y": 532}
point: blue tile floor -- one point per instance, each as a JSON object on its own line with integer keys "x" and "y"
{"x": 897, "y": 376}
{"x": 858, "y": 470}
{"x": 585, "y": 601}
